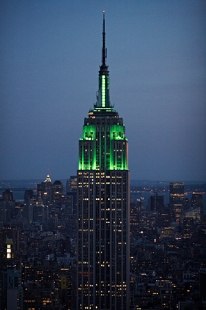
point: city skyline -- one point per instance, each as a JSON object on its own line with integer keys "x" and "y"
{"x": 48, "y": 69}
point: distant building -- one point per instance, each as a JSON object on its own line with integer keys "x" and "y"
{"x": 193, "y": 213}
{"x": 57, "y": 192}
{"x": 156, "y": 203}
{"x": 8, "y": 195}
{"x": 197, "y": 202}
{"x": 48, "y": 193}
{"x": 71, "y": 184}
{"x": 44, "y": 190}
{"x": 28, "y": 195}
{"x": 3, "y": 211}
{"x": 186, "y": 204}
{"x": 202, "y": 275}
{"x": 71, "y": 196}
{"x": 11, "y": 293}
{"x": 29, "y": 203}
{"x": 176, "y": 200}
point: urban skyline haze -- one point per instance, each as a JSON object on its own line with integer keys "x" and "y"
{"x": 50, "y": 58}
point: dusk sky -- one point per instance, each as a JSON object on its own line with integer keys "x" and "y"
{"x": 49, "y": 62}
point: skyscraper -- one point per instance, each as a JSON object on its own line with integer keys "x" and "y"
{"x": 197, "y": 202}
{"x": 176, "y": 199}
{"x": 44, "y": 190}
{"x": 103, "y": 204}
{"x": 71, "y": 196}
{"x": 11, "y": 292}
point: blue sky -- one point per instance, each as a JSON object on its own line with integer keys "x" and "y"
{"x": 50, "y": 57}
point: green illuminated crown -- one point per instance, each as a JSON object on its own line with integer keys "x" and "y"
{"x": 103, "y": 145}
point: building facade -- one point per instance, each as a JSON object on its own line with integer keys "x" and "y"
{"x": 176, "y": 200}
{"x": 71, "y": 196}
{"x": 103, "y": 205}
{"x": 11, "y": 290}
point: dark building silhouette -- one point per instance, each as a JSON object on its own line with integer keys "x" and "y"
{"x": 197, "y": 202}
{"x": 8, "y": 195}
{"x": 202, "y": 284}
{"x": 156, "y": 203}
{"x": 176, "y": 200}
{"x": 7, "y": 206}
{"x": 57, "y": 192}
{"x": 44, "y": 190}
{"x": 71, "y": 184}
{"x": 103, "y": 205}
{"x": 11, "y": 292}
{"x": 29, "y": 205}
{"x": 71, "y": 196}
{"x": 186, "y": 204}
{"x": 48, "y": 193}
{"x": 28, "y": 195}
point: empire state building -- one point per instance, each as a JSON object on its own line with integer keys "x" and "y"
{"x": 103, "y": 205}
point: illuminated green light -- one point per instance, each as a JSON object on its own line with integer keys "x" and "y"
{"x": 103, "y": 91}
{"x": 103, "y": 152}
{"x": 117, "y": 132}
{"x": 89, "y": 132}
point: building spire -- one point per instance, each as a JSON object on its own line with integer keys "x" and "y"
{"x": 104, "y": 67}
{"x": 103, "y": 100}
{"x": 104, "y": 50}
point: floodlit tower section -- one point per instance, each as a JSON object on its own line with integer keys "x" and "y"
{"x": 103, "y": 205}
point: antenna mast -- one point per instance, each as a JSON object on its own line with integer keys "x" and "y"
{"x": 104, "y": 50}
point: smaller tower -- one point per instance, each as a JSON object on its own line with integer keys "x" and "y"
{"x": 176, "y": 199}
{"x": 71, "y": 196}
{"x": 197, "y": 202}
{"x": 57, "y": 192}
{"x": 44, "y": 190}
{"x": 11, "y": 293}
{"x": 8, "y": 195}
